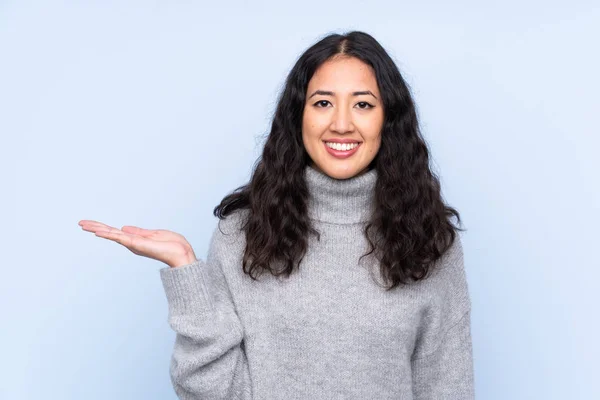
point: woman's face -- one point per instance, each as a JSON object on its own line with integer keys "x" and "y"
{"x": 343, "y": 105}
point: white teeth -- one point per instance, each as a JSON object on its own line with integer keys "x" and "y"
{"x": 340, "y": 146}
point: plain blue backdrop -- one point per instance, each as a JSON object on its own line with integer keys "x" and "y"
{"x": 148, "y": 112}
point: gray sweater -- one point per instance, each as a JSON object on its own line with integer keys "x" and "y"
{"x": 330, "y": 331}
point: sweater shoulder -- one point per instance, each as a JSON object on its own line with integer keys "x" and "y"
{"x": 451, "y": 265}
{"x": 228, "y": 232}
{"x": 449, "y": 282}
{"x": 452, "y": 258}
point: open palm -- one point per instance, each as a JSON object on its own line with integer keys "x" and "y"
{"x": 168, "y": 247}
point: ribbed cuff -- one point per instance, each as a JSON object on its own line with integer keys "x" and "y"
{"x": 186, "y": 288}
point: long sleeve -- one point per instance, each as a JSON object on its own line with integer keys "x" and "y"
{"x": 209, "y": 359}
{"x": 442, "y": 361}
{"x": 447, "y": 373}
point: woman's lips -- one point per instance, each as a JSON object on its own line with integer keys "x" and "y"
{"x": 341, "y": 153}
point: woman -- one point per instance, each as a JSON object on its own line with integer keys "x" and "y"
{"x": 336, "y": 271}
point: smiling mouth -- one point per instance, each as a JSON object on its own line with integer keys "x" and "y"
{"x": 342, "y": 146}
{"x": 341, "y": 150}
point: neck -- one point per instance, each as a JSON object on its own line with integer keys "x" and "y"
{"x": 340, "y": 201}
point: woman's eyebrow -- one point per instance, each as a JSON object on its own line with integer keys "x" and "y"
{"x": 329, "y": 93}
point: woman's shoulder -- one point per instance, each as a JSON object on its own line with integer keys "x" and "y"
{"x": 230, "y": 229}
{"x": 453, "y": 257}
{"x": 228, "y": 239}
{"x": 450, "y": 278}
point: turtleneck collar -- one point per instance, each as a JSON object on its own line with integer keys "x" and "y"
{"x": 340, "y": 201}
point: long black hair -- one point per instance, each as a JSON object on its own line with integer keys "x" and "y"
{"x": 411, "y": 226}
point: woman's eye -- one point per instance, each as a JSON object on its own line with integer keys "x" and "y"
{"x": 364, "y": 105}
{"x": 321, "y": 102}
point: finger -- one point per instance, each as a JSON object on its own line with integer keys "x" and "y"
{"x": 93, "y": 226}
{"x": 89, "y": 222}
{"x": 138, "y": 231}
{"x": 110, "y": 234}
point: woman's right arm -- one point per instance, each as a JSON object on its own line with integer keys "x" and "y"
{"x": 208, "y": 360}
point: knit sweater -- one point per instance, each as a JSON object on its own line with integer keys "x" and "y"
{"x": 330, "y": 330}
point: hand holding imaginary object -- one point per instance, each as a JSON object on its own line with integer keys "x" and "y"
{"x": 168, "y": 247}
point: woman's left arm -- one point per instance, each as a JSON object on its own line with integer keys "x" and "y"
{"x": 447, "y": 372}
{"x": 442, "y": 360}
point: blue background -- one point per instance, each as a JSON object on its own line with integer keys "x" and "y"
{"x": 148, "y": 112}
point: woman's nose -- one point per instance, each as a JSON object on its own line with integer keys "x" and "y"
{"x": 342, "y": 121}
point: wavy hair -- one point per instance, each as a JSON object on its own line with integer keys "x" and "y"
{"x": 411, "y": 227}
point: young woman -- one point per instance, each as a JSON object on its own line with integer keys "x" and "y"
{"x": 336, "y": 272}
